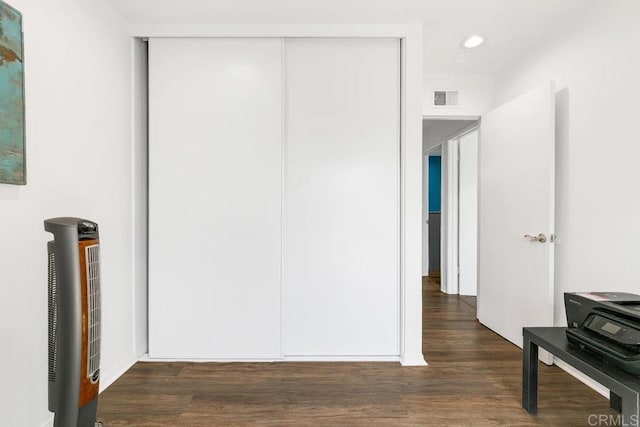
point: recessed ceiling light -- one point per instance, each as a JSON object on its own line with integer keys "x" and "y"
{"x": 473, "y": 41}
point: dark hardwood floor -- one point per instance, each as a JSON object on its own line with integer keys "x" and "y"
{"x": 473, "y": 379}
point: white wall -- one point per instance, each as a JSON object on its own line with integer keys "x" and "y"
{"x": 78, "y": 98}
{"x": 475, "y": 94}
{"x": 598, "y": 198}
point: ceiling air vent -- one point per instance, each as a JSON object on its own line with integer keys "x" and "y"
{"x": 443, "y": 98}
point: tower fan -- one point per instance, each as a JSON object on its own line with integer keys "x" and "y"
{"x": 74, "y": 321}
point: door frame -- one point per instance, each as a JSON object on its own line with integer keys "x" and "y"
{"x": 410, "y": 133}
{"x": 426, "y": 226}
{"x": 472, "y": 128}
{"x": 449, "y": 221}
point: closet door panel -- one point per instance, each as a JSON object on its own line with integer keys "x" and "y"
{"x": 341, "y": 215}
{"x": 215, "y": 114}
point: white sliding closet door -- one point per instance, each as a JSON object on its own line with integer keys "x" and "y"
{"x": 341, "y": 219}
{"x": 215, "y": 197}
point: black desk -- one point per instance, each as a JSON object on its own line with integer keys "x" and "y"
{"x": 624, "y": 387}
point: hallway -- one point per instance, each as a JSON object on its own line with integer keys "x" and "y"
{"x": 473, "y": 379}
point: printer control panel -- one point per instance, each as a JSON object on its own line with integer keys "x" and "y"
{"x": 612, "y": 329}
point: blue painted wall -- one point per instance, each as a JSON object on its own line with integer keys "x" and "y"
{"x": 435, "y": 183}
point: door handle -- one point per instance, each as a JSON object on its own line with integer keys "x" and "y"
{"x": 541, "y": 238}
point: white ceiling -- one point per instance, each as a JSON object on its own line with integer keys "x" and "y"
{"x": 435, "y": 131}
{"x": 511, "y": 27}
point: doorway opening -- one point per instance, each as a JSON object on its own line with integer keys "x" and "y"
{"x": 434, "y": 206}
{"x": 450, "y": 200}
{"x": 514, "y": 194}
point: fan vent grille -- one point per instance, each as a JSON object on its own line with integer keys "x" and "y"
{"x": 53, "y": 315}
{"x": 93, "y": 301}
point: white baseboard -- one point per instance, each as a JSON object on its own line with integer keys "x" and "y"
{"x": 48, "y": 423}
{"x": 582, "y": 377}
{"x": 109, "y": 377}
{"x": 146, "y": 358}
{"x": 341, "y": 359}
{"x": 413, "y": 360}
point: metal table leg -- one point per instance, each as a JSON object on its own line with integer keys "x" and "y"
{"x": 615, "y": 401}
{"x": 630, "y": 409}
{"x": 530, "y": 376}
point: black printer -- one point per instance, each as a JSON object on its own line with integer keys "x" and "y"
{"x": 606, "y": 324}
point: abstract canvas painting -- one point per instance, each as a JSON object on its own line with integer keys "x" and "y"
{"x": 12, "y": 134}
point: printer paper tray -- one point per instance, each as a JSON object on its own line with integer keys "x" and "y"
{"x": 609, "y": 352}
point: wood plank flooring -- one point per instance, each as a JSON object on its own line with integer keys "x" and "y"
{"x": 473, "y": 379}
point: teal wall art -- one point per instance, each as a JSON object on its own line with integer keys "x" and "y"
{"x": 12, "y": 134}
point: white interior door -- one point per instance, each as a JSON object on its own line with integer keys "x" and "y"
{"x": 215, "y": 197}
{"x": 468, "y": 214}
{"x": 341, "y": 219}
{"x": 516, "y": 197}
{"x": 449, "y": 219}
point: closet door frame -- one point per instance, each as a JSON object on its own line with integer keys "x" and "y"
{"x": 410, "y": 37}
